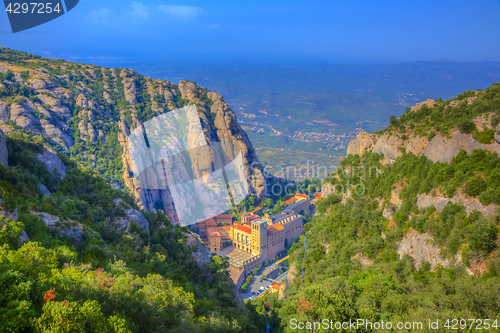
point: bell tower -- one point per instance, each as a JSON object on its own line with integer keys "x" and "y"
{"x": 259, "y": 238}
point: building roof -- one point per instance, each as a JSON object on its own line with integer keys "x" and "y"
{"x": 284, "y": 213}
{"x": 298, "y": 203}
{"x": 290, "y": 201}
{"x": 274, "y": 229}
{"x": 237, "y": 257}
{"x": 244, "y": 228}
{"x": 300, "y": 195}
{"x": 224, "y": 216}
{"x": 252, "y": 217}
{"x": 213, "y": 231}
{"x": 210, "y": 223}
{"x": 318, "y": 196}
{"x": 276, "y": 286}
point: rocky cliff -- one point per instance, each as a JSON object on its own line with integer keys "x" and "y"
{"x": 437, "y": 145}
{"x": 89, "y": 112}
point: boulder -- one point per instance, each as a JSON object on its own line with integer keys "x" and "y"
{"x": 131, "y": 215}
{"x": 53, "y": 163}
{"x": 67, "y": 228}
{"x": 37, "y": 83}
{"x": 187, "y": 89}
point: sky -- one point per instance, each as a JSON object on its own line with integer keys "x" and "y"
{"x": 344, "y": 32}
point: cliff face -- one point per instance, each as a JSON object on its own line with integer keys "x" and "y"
{"x": 441, "y": 148}
{"x": 89, "y": 112}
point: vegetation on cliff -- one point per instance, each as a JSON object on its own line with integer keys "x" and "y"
{"x": 374, "y": 205}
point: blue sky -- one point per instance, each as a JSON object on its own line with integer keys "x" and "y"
{"x": 348, "y": 31}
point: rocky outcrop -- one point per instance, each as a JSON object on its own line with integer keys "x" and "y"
{"x": 14, "y": 216}
{"x": 364, "y": 261}
{"x": 69, "y": 229}
{"x": 23, "y": 239}
{"x": 389, "y": 146}
{"x": 363, "y": 142}
{"x": 429, "y": 103}
{"x": 4, "y": 111}
{"x": 440, "y": 148}
{"x": 4, "y": 154}
{"x": 421, "y": 247}
{"x": 53, "y": 163}
{"x": 201, "y": 253}
{"x": 44, "y": 190}
{"x": 131, "y": 215}
{"x": 443, "y": 149}
{"x": 471, "y": 204}
{"x": 326, "y": 190}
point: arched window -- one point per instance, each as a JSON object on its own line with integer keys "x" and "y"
{"x": 238, "y": 237}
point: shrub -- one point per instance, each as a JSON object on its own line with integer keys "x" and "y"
{"x": 467, "y": 126}
{"x": 475, "y": 186}
{"x": 483, "y": 238}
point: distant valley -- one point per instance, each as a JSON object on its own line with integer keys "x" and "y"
{"x": 317, "y": 108}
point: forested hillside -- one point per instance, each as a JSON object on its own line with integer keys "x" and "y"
{"x": 400, "y": 236}
{"x": 77, "y": 260}
{"x": 77, "y": 251}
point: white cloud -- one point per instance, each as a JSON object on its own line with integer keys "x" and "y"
{"x": 214, "y": 26}
{"x": 97, "y": 15}
{"x": 139, "y": 11}
{"x": 180, "y": 11}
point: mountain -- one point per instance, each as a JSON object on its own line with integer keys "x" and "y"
{"x": 80, "y": 251}
{"x": 407, "y": 228}
{"x": 88, "y": 112}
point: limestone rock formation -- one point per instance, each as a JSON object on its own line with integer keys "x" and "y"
{"x": 470, "y": 204}
{"x": 4, "y": 111}
{"x": 23, "y": 239}
{"x": 421, "y": 247}
{"x": 443, "y": 149}
{"x": 363, "y": 142}
{"x": 44, "y": 190}
{"x": 131, "y": 215}
{"x": 389, "y": 146}
{"x": 60, "y": 113}
{"x": 14, "y": 216}
{"x": 429, "y": 103}
{"x": 202, "y": 253}
{"x": 68, "y": 228}
{"x": 53, "y": 163}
